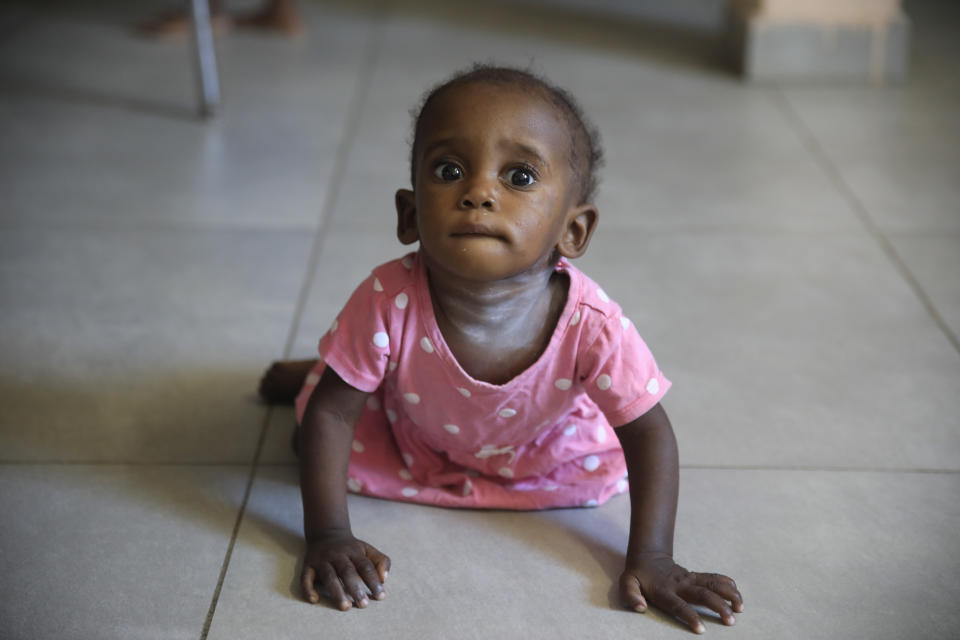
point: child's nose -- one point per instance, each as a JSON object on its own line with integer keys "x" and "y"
{"x": 479, "y": 195}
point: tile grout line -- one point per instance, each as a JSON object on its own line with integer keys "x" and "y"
{"x": 359, "y": 97}
{"x": 236, "y": 525}
{"x": 813, "y": 145}
{"x": 336, "y": 179}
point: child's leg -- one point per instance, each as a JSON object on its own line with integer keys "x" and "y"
{"x": 282, "y": 381}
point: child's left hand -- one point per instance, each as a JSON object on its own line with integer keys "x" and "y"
{"x": 656, "y": 579}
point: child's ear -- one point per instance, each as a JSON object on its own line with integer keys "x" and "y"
{"x": 581, "y": 223}
{"x": 406, "y": 217}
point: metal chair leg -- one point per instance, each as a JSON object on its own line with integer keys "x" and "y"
{"x": 206, "y": 56}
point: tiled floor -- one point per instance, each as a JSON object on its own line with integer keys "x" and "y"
{"x": 792, "y": 254}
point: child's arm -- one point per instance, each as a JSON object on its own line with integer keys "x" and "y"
{"x": 333, "y": 555}
{"x": 651, "y": 576}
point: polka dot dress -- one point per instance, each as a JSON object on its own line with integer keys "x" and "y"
{"x": 430, "y": 433}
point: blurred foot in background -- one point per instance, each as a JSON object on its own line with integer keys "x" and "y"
{"x": 279, "y": 16}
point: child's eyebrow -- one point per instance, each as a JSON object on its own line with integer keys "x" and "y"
{"x": 510, "y": 145}
{"x": 430, "y": 148}
{"x": 527, "y": 150}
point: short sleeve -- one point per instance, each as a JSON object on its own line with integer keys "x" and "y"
{"x": 359, "y": 343}
{"x": 619, "y": 373}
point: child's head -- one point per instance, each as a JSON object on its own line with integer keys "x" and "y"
{"x": 503, "y": 169}
{"x": 586, "y": 154}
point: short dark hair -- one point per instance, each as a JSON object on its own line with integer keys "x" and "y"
{"x": 586, "y": 155}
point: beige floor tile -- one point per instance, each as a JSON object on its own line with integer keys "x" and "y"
{"x": 935, "y": 262}
{"x": 113, "y": 551}
{"x": 140, "y": 345}
{"x": 804, "y": 547}
{"x": 788, "y": 350}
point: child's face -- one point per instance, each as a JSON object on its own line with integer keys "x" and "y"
{"x": 494, "y": 185}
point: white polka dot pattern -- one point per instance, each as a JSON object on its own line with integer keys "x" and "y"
{"x": 464, "y": 392}
{"x": 591, "y": 463}
{"x": 376, "y": 285}
{"x": 358, "y": 446}
{"x": 373, "y": 403}
{"x": 426, "y": 345}
{"x": 312, "y": 378}
{"x": 412, "y": 398}
{"x": 409, "y": 492}
{"x": 570, "y": 430}
{"x": 401, "y": 300}
{"x": 506, "y": 472}
{"x": 354, "y": 485}
{"x": 604, "y": 382}
{"x": 653, "y": 386}
{"x": 563, "y": 383}
{"x": 601, "y": 434}
{"x": 407, "y": 459}
{"x": 576, "y": 318}
{"x": 603, "y": 295}
{"x": 405, "y": 474}
{"x": 507, "y": 413}
{"x": 381, "y": 339}
{"x": 452, "y": 428}
{"x": 391, "y": 415}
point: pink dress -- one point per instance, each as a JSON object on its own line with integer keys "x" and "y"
{"x": 430, "y": 433}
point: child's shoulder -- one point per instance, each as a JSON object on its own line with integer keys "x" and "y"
{"x": 396, "y": 275}
{"x": 591, "y": 299}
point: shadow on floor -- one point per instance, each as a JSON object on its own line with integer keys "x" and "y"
{"x": 92, "y": 97}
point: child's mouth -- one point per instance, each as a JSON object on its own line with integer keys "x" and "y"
{"x": 476, "y": 231}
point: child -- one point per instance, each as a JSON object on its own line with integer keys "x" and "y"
{"x": 484, "y": 370}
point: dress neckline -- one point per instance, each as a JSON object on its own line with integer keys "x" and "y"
{"x": 432, "y": 328}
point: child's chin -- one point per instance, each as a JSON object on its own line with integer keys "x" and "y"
{"x": 480, "y": 259}
{"x": 479, "y": 269}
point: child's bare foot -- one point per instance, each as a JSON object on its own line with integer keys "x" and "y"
{"x": 278, "y": 15}
{"x": 282, "y": 382}
{"x": 177, "y": 24}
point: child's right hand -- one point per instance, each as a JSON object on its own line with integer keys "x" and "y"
{"x": 345, "y": 567}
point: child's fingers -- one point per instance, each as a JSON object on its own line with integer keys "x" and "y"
{"x": 381, "y": 561}
{"x": 351, "y": 581}
{"x": 631, "y": 594}
{"x": 306, "y": 582}
{"x": 327, "y": 577}
{"x": 677, "y": 607}
{"x": 722, "y": 585}
{"x": 711, "y": 600}
{"x": 368, "y": 573}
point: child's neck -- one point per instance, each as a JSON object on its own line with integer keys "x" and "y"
{"x": 490, "y": 305}
{"x": 498, "y": 329}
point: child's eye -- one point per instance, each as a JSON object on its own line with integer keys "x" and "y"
{"x": 448, "y": 171}
{"x": 520, "y": 177}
